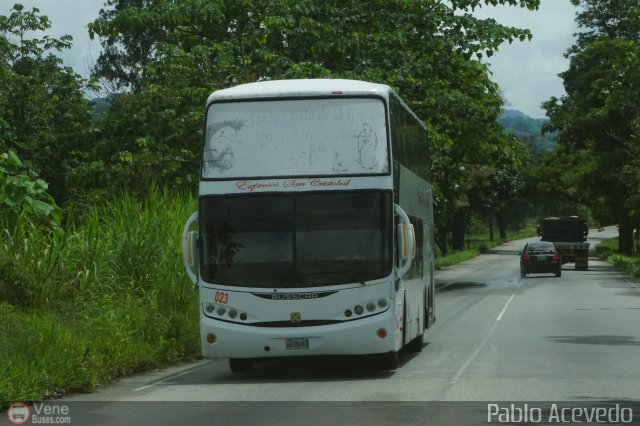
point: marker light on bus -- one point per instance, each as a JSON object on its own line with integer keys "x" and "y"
{"x": 370, "y": 307}
{"x": 232, "y": 313}
{"x": 211, "y": 338}
{"x": 382, "y": 333}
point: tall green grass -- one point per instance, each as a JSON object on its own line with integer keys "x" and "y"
{"x": 608, "y": 250}
{"x": 103, "y": 298}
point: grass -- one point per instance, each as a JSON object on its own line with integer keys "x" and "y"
{"x": 106, "y": 298}
{"x": 478, "y": 243}
{"x": 608, "y": 250}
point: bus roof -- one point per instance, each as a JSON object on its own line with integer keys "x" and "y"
{"x": 300, "y": 88}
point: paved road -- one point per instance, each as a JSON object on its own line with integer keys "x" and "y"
{"x": 497, "y": 338}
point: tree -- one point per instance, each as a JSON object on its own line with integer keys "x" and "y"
{"x": 598, "y": 118}
{"x": 506, "y": 184}
{"x": 425, "y": 49}
{"x": 598, "y": 122}
{"x": 550, "y": 188}
{"x": 42, "y": 105}
{"x": 613, "y": 19}
{"x": 125, "y": 54}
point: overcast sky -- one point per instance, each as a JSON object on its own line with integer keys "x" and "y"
{"x": 527, "y": 72}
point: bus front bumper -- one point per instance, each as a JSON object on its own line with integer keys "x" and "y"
{"x": 357, "y": 337}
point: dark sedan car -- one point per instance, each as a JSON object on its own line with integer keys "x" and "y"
{"x": 540, "y": 257}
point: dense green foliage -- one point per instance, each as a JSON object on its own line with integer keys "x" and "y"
{"x": 598, "y": 121}
{"x": 427, "y": 50}
{"x": 612, "y": 19}
{"x": 43, "y": 110}
{"x": 107, "y": 297}
{"x": 162, "y": 58}
{"x": 24, "y": 200}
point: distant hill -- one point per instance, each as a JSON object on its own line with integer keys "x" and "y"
{"x": 99, "y": 105}
{"x": 527, "y": 129}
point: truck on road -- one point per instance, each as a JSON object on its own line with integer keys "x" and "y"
{"x": 569, "y": 234}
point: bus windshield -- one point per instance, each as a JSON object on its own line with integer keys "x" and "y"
{"x": 296, "y": 239}
{"x": 296, "y": 137}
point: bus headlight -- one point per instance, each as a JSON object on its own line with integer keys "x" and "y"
{"x": 382, "y": 303}
{"x": 210, "y": 308}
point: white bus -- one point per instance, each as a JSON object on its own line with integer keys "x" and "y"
{"x": 315, "y": 223}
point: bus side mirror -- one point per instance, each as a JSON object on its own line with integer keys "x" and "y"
{"x": 403, "y": 241}
{"x": 192, "y": 249}
{"x": 406, "y": 241}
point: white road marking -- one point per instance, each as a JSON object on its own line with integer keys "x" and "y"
{"x": 483, "y": 343}
{"x": 505, "y": 307}
{"x": 142, "y": 387}
{"x": 172, "y": 376}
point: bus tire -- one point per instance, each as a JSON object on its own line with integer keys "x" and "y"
{"x": 388, "y": 361}
{"x": 416, "y": 344}
{"x": 240, "y": 365}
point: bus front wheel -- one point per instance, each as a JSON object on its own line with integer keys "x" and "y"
{"x": 388, "y": 361}
{"x": 240, "y": 365}
{"x": 416, "y": 344}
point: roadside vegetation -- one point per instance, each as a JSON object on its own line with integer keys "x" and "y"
{"x": 479, "y": 241}
{"x": 84, "y": 303}
{"x": 608, "y": 250}
{"x": 93, "y": 194}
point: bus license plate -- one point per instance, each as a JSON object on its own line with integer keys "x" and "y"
{"x": 297, "y": 343}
